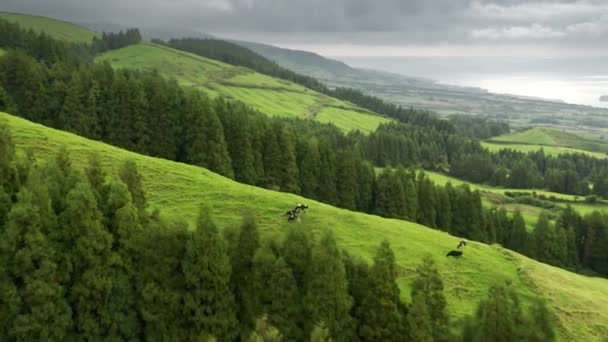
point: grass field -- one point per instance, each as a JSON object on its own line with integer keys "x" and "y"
{"x": 552, "y": 140}
{"x": 549, "y": 150}
{"x": 179, "y": 189}
{"x": 269, "y": 95}
{"x": 530, "y": 213}
{"x": 55, "y": 28}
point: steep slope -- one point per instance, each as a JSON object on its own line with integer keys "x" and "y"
{"x": 55, "y": 28}
{"x": 269, "y": 95}
{"x": 178, "y": 190}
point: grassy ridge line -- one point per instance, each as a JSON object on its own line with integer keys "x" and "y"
{"x": 264, "y": 93}
{"x": 55, "y": 28}
{"x": 178, "y": 190}
{"x": 494, "y": 146}
{"x": 530, "y": 213}
{"x": 552, "y": 137}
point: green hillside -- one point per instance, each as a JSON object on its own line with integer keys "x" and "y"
{"x": 269, "y": 95}
{"x": 569, "y": 142}
{"x": 55, "y": 28}
{"x": 549, "y": 150}
{"x": 579, "y": 302}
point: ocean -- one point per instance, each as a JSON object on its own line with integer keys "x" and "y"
{"x": 573, "y": 80}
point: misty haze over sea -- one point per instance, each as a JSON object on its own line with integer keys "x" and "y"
{"x": 580, "y": 80}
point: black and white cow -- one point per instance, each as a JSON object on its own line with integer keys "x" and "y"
{"x": 455, "y": 254}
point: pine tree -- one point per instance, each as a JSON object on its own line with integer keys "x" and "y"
{"x": 33, "y": 303}
{"x": 204, "y": 141}
{"x": 379, "y": 312}
{"x": 133, "y": 180}
{"x": 265, "y": 332}
{"x": 518, "y": 235}
{"x": 499, "y": 317}
{"x": 444, "y": 210}
{"x": 428, "y": 287}
{"x": 366, "y": 177}
{"x": 419, "y": 320}
{"x": 327, "y": 175}
{"x": 263, "y": 268}
{"x": 327, "y": 298}
{"x": 8, "y": 173}
{"x": 288, "y": 170}
{"x": 297, "y": 252}
{"x": 208, "y": 303}
{"x": 6, "y": 102}
{"x": 309, "y": 166}
{"x": 426, "y": 201}
{"x": 346, "y": 180}
{"x": 162, "y": 284}
{"x": 237, "y": 131}
{"x": 285, "y": 310}
{"x": 544, "y": 236}
{"x": 93, "y": 259}
{"x": 243, "y": 273}
{"x": 540, "y": 327}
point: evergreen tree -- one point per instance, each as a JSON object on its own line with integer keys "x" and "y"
{"x": 366, "y": 177}
{"x": 518, "y": 235}
{"x": 242, "y": 277}
{"x": 93, "y": 259}
{"x": 327, "y": 175}
{"x": 379, "y": 312}
{"x": 208, "y": 303}
{"x": 428, "y": 288}
{"x": 6, "y": 102}
{"x": 499, "y": 317}
{"x": 237, "y": 131}
{"x": 309, "y": 166}
{"x": 33, "y": 303}
{"x": 285, "y": 310}
{"x": 288, "y": 170}
{"x": 297, "y": 252}
{"x": 346, "y": 180}
{"x": 133, "y": 180}
{"x": 204, "y": 137}
{"x": 265, "y": 332}
{"x": 540, "y": 327}
{"x": 427, "y": 211}
{"x": 327, "y": 298}
{"x": 419, "y": 321}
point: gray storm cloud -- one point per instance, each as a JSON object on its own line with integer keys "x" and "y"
{"x": 379, "y": 22}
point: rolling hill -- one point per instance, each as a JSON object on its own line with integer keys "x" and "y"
{"x": 55, "y": 28}
{"x": 554, "y": 138}
{"x": 580, "y": 303}
{"x": 442, "y": 98}
{"x": 269, "y": 95}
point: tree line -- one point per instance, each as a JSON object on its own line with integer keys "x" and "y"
{"x": 235, "y": 54}
{"x": 113, "y": 41}
{"x": 395, "y": 144}
{"x": 133, "y": 109}
{"x": 82, "y": 257}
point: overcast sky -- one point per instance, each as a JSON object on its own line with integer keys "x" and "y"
{"x": 364, "y": 27}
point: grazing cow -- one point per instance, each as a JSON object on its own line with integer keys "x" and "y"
{"x": 455, "y": 254}
{"x": 462, "y": 243}
{"x": 301, "y": 207}
{"x": 292, "y": 215}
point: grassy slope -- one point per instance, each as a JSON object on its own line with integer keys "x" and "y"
{"x": 553, "y": 141}
{"x": 55, "y": 28}
{"x": 179, "y": 189}
{"x": 530, "y": 213}
{"x": 269, "y": 95}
